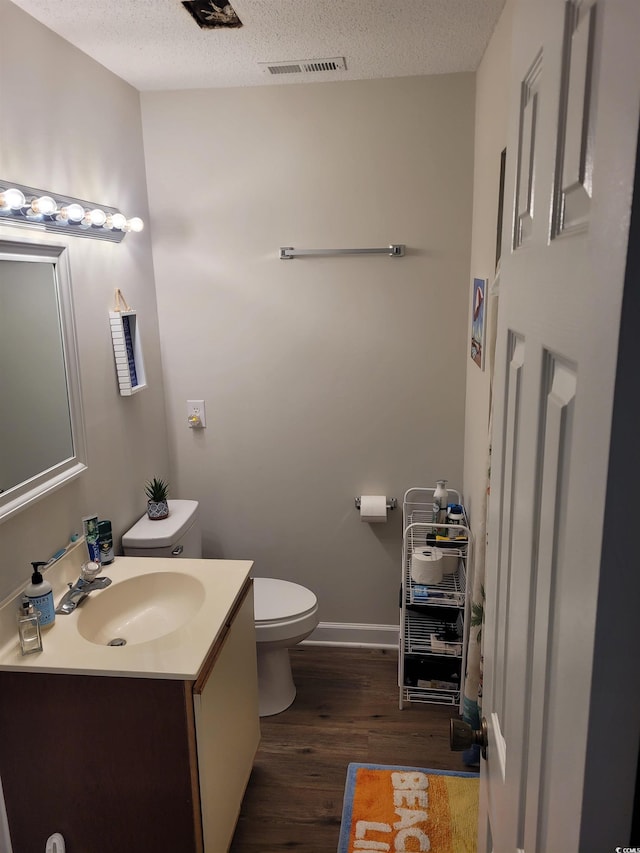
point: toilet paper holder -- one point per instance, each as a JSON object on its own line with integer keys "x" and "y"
{"x": 392, "y": 503}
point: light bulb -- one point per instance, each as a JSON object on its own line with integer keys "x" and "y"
{"x": 116, "y": 220}
{"x": 45, "y": 205}
{"x": 97, "y": 216}
{"x": 12, "y": 198}
{"x": 73, "y": 212}
{"x": 135, "y": 224}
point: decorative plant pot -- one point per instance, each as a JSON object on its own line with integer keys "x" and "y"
{"x": 156, "y": 510}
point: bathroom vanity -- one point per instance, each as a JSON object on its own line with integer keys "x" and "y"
{"x": 145, "y": 746}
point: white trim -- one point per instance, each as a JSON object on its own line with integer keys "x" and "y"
{"x": 353, "y": 634}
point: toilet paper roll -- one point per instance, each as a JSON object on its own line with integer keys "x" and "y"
{"x": 426, "y": 565}
{"x": 373, "y": 508}
{"x": 450, "y": 563}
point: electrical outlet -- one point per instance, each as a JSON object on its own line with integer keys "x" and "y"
{"x": 196, "y": 416}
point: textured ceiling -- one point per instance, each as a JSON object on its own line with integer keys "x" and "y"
{"x": 156, "y": 44}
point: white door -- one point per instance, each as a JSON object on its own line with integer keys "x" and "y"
{"x": 571, "y": 163}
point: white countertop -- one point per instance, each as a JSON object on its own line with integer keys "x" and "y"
{"x": 177, "y": 655}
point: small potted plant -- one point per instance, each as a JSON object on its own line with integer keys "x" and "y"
{"x": 157, "y": 492}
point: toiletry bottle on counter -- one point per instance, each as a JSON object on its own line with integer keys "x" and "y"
{"x": 29, "y": 628}
{"x": 105, "y": 538}
{"x": 455, "y": 516}
{"x": 91, "y": 535}
{"x": 40, "y": 594}
{"x": 440, "y": 499}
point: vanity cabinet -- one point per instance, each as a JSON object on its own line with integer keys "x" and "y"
{"x": 128, "y": 763}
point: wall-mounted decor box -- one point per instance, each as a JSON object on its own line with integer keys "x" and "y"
{"x": 127, "y": 350}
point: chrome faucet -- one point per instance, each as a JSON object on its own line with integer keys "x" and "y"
{"x": 79, "y": 591}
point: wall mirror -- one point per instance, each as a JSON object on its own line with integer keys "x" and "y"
{"x": 42, "y": 442}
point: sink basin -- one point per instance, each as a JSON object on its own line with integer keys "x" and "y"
{"x": 141, "y": 608}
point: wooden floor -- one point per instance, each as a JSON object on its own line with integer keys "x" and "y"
{"x": 346, "y": 709}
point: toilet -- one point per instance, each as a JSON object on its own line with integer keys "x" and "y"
{"x": 285, "y": 613}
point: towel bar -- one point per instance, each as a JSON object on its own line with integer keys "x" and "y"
{"x": 395, "y": 250}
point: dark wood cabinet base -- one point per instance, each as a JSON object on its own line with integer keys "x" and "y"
{"x": 104, "y": 761}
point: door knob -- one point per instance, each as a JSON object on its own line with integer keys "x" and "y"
{"x": 462, "y": 735}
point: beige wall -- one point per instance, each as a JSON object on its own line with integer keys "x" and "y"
{"x": 492, "y": 101}
{"x": 324, "y": 378}
{"x": 68, "y": 125}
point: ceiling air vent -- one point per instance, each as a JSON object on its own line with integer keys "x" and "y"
{"x": 304, "y": 66}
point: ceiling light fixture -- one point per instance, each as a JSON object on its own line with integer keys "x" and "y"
{"x": 22, "y": 205}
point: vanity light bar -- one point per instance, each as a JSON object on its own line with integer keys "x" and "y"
{"x": 22, "y": 205}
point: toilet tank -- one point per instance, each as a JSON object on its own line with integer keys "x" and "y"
{"x": 178, "y": 535}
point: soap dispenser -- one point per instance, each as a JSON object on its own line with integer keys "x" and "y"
{"x": 40, "y": 594}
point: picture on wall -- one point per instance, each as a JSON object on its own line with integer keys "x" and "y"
{"x": 478, "y": 321}
{"x": 503, "y": 163}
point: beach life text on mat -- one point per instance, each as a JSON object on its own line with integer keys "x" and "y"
{"x": 406, "y": 809}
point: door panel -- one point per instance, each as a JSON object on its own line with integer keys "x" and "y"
{"x": 553, "y": 453}
{"x": 573, "y": 124}
{"x": 575, "y": 140}
{"x": 516, "y": 349}
{"x": 525, "y": 192}
{"x": 227, "y": 729}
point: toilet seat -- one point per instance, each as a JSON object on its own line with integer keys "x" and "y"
{"x": 283, "y": 610}
{"x": 276, "y": 600}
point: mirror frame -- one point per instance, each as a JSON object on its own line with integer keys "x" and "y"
{"x": 24, "y": 494}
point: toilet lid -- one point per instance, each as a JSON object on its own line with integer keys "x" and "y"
{"x": 277, "y": 599}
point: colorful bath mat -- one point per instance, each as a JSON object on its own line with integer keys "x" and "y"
{"x": 390, "y": 808}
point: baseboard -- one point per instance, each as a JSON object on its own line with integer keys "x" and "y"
{"x": 350, "y": 634}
